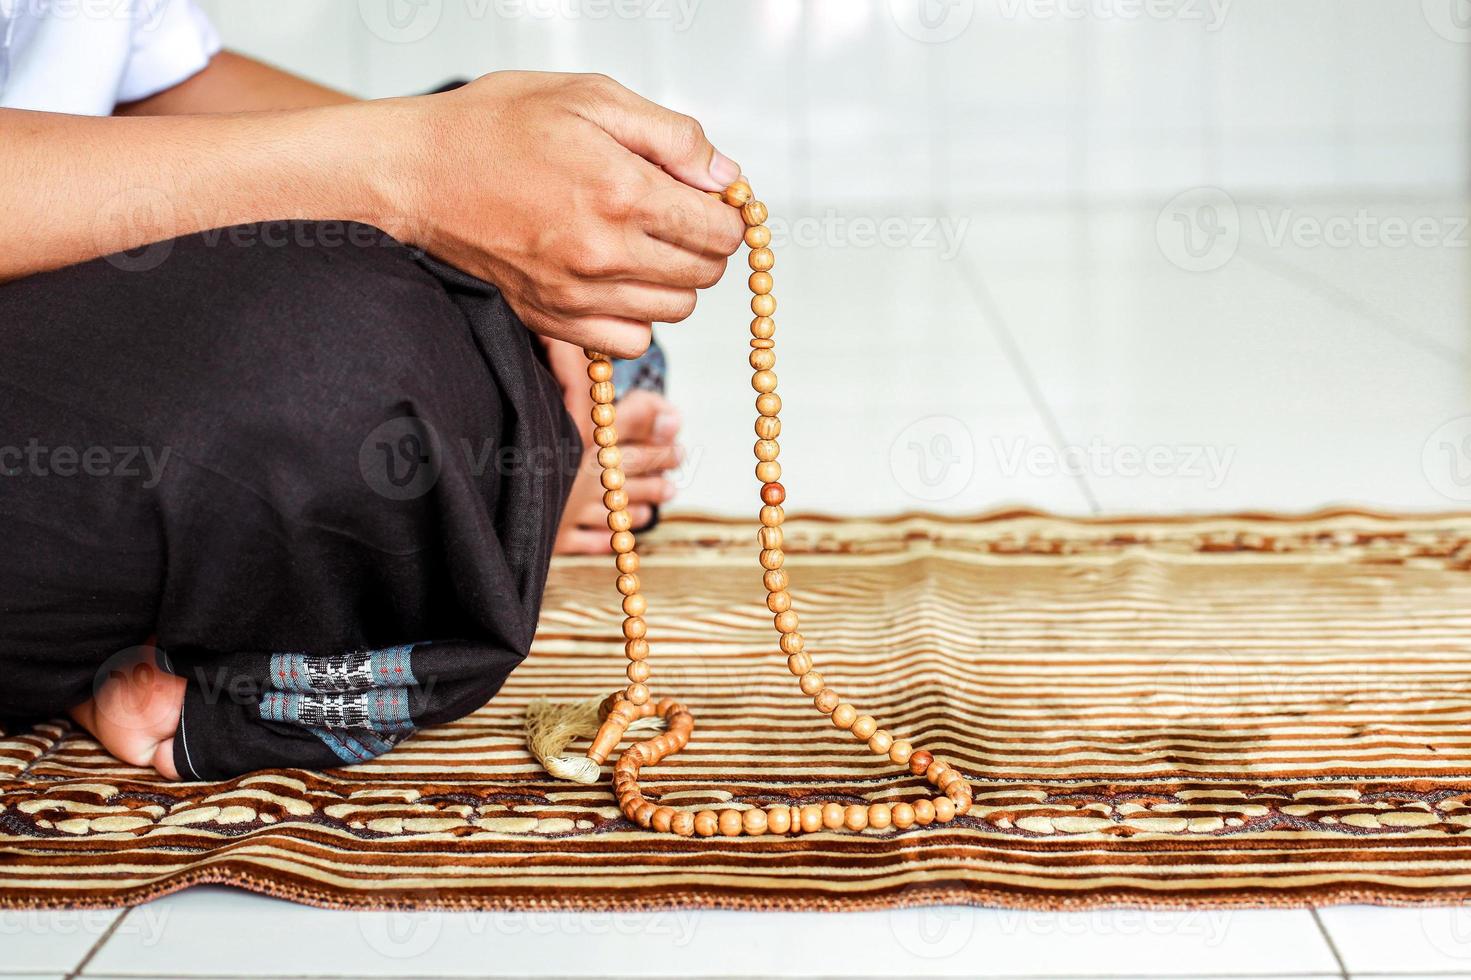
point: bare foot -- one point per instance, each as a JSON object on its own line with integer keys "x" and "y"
{"x": 135, "y": 712}
{"x": 648, "y": 425}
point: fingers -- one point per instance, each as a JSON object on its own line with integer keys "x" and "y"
{"x": 690, "y": 220}
{"x": 630, "y": 300}
{"x": 609, "y": 334}
{"x": 667, "y": 139}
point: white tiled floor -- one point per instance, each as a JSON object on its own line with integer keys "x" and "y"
{"x": 1318, "y": 375}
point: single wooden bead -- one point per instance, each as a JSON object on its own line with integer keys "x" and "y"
{"x": 760, "y": 283}
{"x": 599, "y": 370}
{"x": 811, "y": 818}
{"x": 613, "y": 479}
{"x": 763, "y": 328}
{"x": 810, "y": 682}
{"x": 738, "y": 194}
{"x": 638, "y": 671}
{"x": 610, "y": 457}
{"x": 644, "y": 815}
{"x": 763, "y": 343}
{"x": 753, "y": 822}
{"x": 920, "y": 761}
{"x": 730, "y": 822}
{"x": 768, "y": 403}
{"x": 864, "y": 726}
{"x": 903, "y": 816}
{"x": 768, "y": 471}
{"x": 766, "y": 449}
{"x": 772, "y": 515}
{"x": 880, "y": 816}
{"x": 763, "y": 304}
{"x": 761, "y": 259}
{"x": 792, "y": 643}
{"x": 924, "y": 812}
{"x": 826, "y": 701}
{"x": 767, "y": 427}
{"x": 947, "y": 779}
{"x": 764, "y": 382}
{"x": 844, "y": 716}
{"x": 944, "y": 809}
{"x": 634, "y": 628}
{"x": 762, "y": 360}
{"x": 707, "y": 823}
{"x": 880, "y": 742}
{"x": 855, "y": 817}
{"x": 635, "y": 605}
{"x": 799, "y": 664}
{"x": 603, "y": 392}
{"x": 758, "y": 236}
{"x": 778, "y": 602}
{"x": 775, "y": 579}
{"x": 962, "y": 804}
{"x": 683, "y": 823}
{"x": 779, "y": 819}
{"x": 833, "y": 815}
{"x": 637, "y": 693}
{"x": 772, "y": 558}
{"x": 627, "y": 562}
{"x": 636, "y": 649}
{"x": 900, "y": 751}
{"x": 786, "y": 621}
{"x": 627, "y": 584}
{"x": 615, "y": 499}
{"x": 603, "y": 415}
{"x": 771, "y": 537}
{"x": 753, "y": 213}
{"x": 773, "y": 494}
{"x": 621, "y": 541}
{"x": 605, "y": 435}
{"x": 619, "y": 520}
{"x": 663, "y": 819}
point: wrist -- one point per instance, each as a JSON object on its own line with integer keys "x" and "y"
{"x": 383, "y": 145}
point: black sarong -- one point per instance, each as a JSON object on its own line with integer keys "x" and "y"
{"x": 324, "y": 472}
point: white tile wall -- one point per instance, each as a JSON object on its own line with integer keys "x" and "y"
{"x": 831, "y": 100}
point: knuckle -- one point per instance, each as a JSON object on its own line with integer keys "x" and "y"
{"x": 686, "y": 135}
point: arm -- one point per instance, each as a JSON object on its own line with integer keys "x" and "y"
{"x": 582, "y": 201}
{"x": 235, "y": 83}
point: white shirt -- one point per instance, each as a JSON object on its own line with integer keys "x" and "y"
{"x": 86, "y": 56}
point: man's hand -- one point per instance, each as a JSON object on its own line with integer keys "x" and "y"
{"x": 585, "y": 203}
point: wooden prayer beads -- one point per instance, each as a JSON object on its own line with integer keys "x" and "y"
{"x": 621, "y": 709}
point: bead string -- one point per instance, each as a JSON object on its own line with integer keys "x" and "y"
{"x": 622, "y": 708}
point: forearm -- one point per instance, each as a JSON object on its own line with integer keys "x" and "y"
{"x": 234, "y": 83}
{"x": 76, "y": 187}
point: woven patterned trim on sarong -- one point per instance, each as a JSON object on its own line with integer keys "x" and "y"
{"x": 1242, "y": 710}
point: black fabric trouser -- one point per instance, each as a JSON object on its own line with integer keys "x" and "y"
{"x": 323, "y": 471}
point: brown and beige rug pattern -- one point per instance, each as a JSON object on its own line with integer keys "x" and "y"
{"x": 1244, "y": 710}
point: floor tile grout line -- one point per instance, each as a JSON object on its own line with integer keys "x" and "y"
{"x": 1328, "y": 938}
{"x": 97, "y": 946}
{"x": 1380, "y": 320}
{"x": 983, "y": 299}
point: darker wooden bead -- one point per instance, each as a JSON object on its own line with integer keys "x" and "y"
{"x": 773, "y": 494}
{"x": 920, "y": 761}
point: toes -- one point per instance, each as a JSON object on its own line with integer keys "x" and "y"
{"x": 650, "y": 460}
{"x": 647, "y": 417}
{"x": 163, "y": 760}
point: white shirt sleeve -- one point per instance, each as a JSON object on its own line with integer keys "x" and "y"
{"x": 172, "y": 40}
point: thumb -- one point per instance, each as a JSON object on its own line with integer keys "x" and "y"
{"x": 670, "y": 140}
